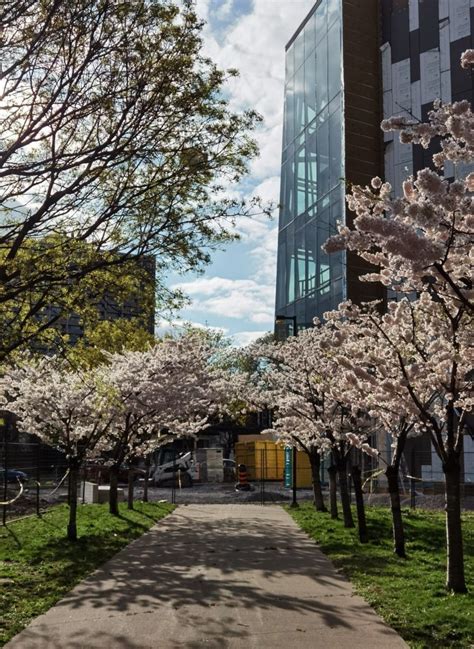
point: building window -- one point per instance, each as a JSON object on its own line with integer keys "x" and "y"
{"x": 312, "y": 165}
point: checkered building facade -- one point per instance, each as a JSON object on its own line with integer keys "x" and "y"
{"x": 422, "y": 43}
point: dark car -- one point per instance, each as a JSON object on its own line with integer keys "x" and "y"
{"x": 13, "y": 475}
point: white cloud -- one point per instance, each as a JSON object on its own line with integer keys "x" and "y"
{"x": 265, "y": 256}
{"x": 163, "y": 326}
{"x": 269, "y": 189}
{"x": 231, "y": 298}
{"x": 224, "y": 10}
{"x": 254, "y": 44}
{"x": 243, "y": 338}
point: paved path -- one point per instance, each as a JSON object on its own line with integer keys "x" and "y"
{"x": 213, "y": 577}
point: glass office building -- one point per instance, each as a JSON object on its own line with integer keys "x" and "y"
{"x": 346, "y": 60}
{"x": 314, "y": 168}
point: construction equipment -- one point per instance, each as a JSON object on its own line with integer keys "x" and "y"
{"x": 172, "y": 468}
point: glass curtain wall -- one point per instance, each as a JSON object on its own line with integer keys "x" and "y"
{"x": 309, "y": 282}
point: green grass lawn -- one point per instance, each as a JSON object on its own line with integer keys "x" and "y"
{"x": 408, "y": 593}
{"x": 38, "y": 565}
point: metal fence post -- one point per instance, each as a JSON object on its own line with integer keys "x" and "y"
{"x": 84, "y": 476}
{"x": 38, "y": 477}
{"x": 412, "y": 493}
{"x": 293, "y": 477}
{"x": 173, "y": 482}
{"x": 5, "y": 468}
{"x": 265, "y": 474}
{"x": 263, "y": 467}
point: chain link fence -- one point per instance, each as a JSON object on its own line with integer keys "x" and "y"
{"x": 34, "y": 476}
{"x": 421, "y": 482}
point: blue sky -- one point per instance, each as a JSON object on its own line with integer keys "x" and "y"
{"x": 236, "y": 292}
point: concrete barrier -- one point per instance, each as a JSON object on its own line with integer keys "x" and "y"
{"x": 92, "y": 493}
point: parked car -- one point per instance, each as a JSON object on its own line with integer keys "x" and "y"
{"x": 13, "y": 475}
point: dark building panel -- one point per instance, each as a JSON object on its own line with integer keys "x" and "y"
{"x": 415, "y": 55}
{"x": 362, "y": 100}
{"x": 386, "y": 19}
{"x": 472, "y": 27}
{"x": 400, "y": 38}
{"x": 434, "y": 147}
{"x": 425, "y": 109}
{"x": 418, "y": 157}
{"x": 429, "y": 25}
{"x": 466, "y": 95}
{"x": 461, "y": 79}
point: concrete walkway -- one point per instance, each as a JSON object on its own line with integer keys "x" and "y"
{"x": 213, "y": 577}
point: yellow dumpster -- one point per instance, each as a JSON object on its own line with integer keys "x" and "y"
{"x": 264, "y": 460}
{"x": 303, "y": 471}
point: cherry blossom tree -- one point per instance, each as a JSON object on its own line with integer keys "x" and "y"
{"x": 422, "y": 243}
{"x": 172, "y": 386}
{"x": 369, "y": 377}
{"x": 265, "y": 384}
{"x": 430, "y": 360}
{"x": 67, "y": 410}
{"x": 300, "y": 380}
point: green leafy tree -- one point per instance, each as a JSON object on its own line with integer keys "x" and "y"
{"x": 109, "y": 336}
{"x": 115, "y": 143}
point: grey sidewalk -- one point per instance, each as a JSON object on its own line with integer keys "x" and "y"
{"x": 217, "y": 577}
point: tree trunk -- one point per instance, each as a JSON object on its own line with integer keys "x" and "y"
{"x": 455, "y": 580}
{"x": 345, "y": 499}
{"x": 113, "y": 490}
{"x": 72, "y": 524}
{"x": 397, "y": 523}
{"x": 315, "y": 461}
{"x": 147, "y": 476}
{"x": 332, "y": 491}
{"x": 359, "y": 497}
{"x": 131, "y": 476}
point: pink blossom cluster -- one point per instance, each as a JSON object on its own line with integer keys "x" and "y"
{"x": 410, "y": 368}
{"x": 421, "y": 241}
{"x": 300, "y": 380}
{"x": 132, "y": 401}
{"x": 68, "y": 410}
{"x": 467, "y": 59}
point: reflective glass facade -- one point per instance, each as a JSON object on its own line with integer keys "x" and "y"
{"x": 310, "y": 282}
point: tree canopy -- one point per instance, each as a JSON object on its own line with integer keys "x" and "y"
{"x": 115, "y": 144}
